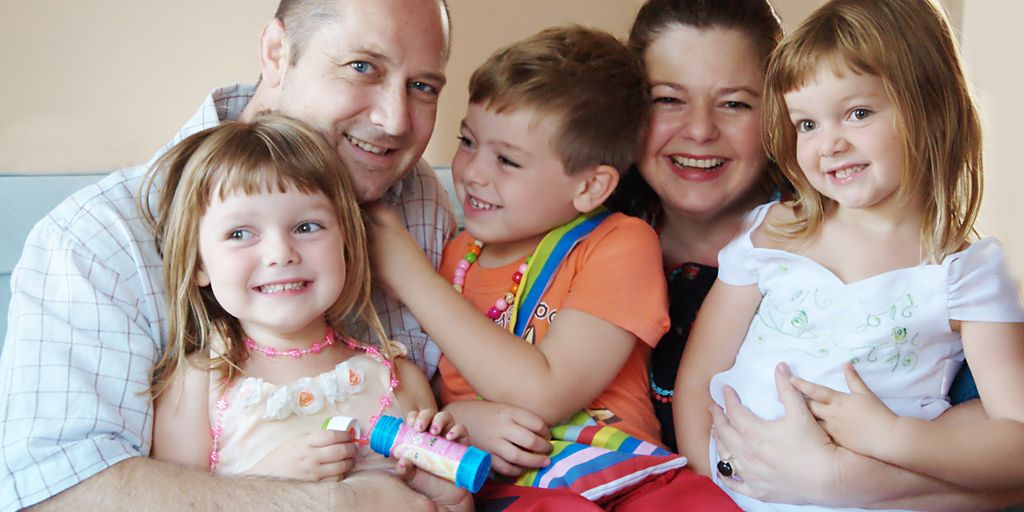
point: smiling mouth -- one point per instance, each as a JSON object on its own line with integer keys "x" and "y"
{"x": 282, "y": 287}
{"x": 846, "y": 172}
{"x": 705, "y": 164}
{"x": 366, "y": 146}
{"x": 480, "y": 205}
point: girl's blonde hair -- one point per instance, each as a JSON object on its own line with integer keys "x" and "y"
{"x": 909, "y": 45}
{"x": 272, "y": 152}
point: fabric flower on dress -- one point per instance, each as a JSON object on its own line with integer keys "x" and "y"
{"x": 352, "y": 379}
{"x": 280, "y": 404}
{"x": 309, "y": 399}
{"x": 250, "y": 392}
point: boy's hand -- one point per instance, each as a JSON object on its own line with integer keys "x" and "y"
{"x": 395, "y": 257}
{"x": 324, "y": 455}
{"x": 516, "y": 438}
{"x": 438, "y": 423}
{"x": 858, "y": 420}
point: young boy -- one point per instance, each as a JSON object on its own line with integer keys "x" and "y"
{"x": 552, "y": 122}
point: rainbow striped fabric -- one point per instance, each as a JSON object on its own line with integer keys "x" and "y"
{"x": 598, "y": 461}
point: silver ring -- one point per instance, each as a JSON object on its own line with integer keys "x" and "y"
{"x": 725, "y": 468}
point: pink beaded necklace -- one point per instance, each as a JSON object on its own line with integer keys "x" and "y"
{"x": 385, "y": 401}
{"x": 508, "y": 298}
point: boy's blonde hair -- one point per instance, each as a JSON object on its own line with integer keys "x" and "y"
{"x": 909, "y": 45}
{"x": 580, "y": 77}
{"x": 270, "y": 153}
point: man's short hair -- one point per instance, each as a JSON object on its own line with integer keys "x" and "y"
{"x": 302, "y": 18}
{"x": 581, "y": 77}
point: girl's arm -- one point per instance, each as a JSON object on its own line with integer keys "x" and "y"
{"x": 980, "y": 454}
{"x": 181, "y": 424}
{"x": 715, "y": 338}
{"x": 414, "y": 392}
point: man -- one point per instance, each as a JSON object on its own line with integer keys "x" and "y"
{"x": 88, "y": 321}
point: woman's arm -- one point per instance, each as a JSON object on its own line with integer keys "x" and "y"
{"x": 715, "y": 339}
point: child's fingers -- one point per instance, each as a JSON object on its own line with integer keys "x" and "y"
{"x": 815, "y": 392}
{"x": 503, "y": 467}
{"x": 334, "y": 471}
{"x": 457, "y": 433}
{"x": 441, "y": 422}
{"x": 531, "y": 422}
{"x": 527, "y": 440}
{"x": 420, "y": 419}
{"x": 522, "y": 458}
{"x": 336, "y": 453}
{"x": 854, "y": 381}
{"x": 321, "y": 438}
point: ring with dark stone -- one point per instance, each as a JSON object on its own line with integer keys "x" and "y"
{"x": 725, "y": 468}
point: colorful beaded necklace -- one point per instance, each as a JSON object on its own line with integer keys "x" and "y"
{"x": 508, "y": 299}
{"x": 385, "y": 401}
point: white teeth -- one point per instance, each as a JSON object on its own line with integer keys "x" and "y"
{"x": 283, "y": 287}
{"x": 847, "y": 172}
{"x": 700, "y": 163}
{"x": 366, "y": 146}
{"x": 480, "y": 205}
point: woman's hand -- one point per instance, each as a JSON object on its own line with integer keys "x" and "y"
{"x": 788, "y": 460}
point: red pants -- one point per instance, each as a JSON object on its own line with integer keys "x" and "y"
{"x": 680, "y": 489}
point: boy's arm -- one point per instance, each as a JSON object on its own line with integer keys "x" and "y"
{"x": 715, "y": 338}
{"x": 579, "y": 357}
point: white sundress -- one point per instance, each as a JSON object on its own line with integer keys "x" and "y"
{"x": 893, "y": 326}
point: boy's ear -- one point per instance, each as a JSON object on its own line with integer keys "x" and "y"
{"x": 599, "y": 183}
{"x": 274, "y": 49}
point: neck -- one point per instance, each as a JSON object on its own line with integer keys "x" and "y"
{"x": 499, "y": 254}
{"x": 301, "y": 338}
{"x": 887, "y": 220}
{"x": 257, "y": 104}
{"x": 697, "y": 238}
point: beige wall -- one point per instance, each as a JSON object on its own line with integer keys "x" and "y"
{"x": 101, "y": 84}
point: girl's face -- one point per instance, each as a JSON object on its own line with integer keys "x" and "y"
{"x": 274, "y": 260}
{"x": 847, "y": 143}
{"x": 703, "y": 153}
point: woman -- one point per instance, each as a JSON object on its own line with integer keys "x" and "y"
{"x": 704, "y": 166}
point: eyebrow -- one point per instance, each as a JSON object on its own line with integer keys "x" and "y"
{"x": 375, "y": 55}
{"x": 721, "y": 91}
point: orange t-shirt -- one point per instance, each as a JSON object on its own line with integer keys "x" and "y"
{"x": 613, "y": 274}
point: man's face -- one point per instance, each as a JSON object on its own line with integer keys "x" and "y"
{"x": 369, "y": 82}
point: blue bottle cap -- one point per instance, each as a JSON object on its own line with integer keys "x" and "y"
{"x": 473, "y": 469}
{"x": 383, "y": 435}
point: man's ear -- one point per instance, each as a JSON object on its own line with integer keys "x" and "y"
{"x": 202, "y": 278}
{"x": 274, "y": 53}
{"x": 598, "y": 184}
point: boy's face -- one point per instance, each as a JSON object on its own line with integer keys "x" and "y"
{"x": 511, "y": 182}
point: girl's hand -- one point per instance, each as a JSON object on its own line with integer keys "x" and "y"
{"x": 324, "y": 455}
{"x": 857, "y": 420}
{"x": 395, "y": 256}
{"x": 516, "y": 438}
{"x": 788, "y": 460}
{"x": 439, "y": 423}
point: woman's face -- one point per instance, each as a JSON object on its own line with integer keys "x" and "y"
{"x": 703, "y": 153}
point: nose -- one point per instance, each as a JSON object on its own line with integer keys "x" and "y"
{"x": 467, "y": 169}
{"x": 700, "y": 123}
{"x": 279, "y": 251}
{"x": 391, "y": 110}
{"x": 833, "y": 142}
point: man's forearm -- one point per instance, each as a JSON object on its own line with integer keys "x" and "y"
{"x": 140, "y": 483}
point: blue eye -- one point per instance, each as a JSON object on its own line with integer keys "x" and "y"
{"x": 361, "y": 66}
{"x": 424, "y": 88}
{"x": 308, "y": 227}
{"x": 240, "y": 234}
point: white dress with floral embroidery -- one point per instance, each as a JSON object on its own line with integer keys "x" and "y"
{"x": 893, "y": 326}
{"x": 261, "y": 416}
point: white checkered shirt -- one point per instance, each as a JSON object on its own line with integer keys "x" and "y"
{"x": 87, "y": 324}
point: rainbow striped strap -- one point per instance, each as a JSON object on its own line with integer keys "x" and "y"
{"x": 545, "y": 261}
